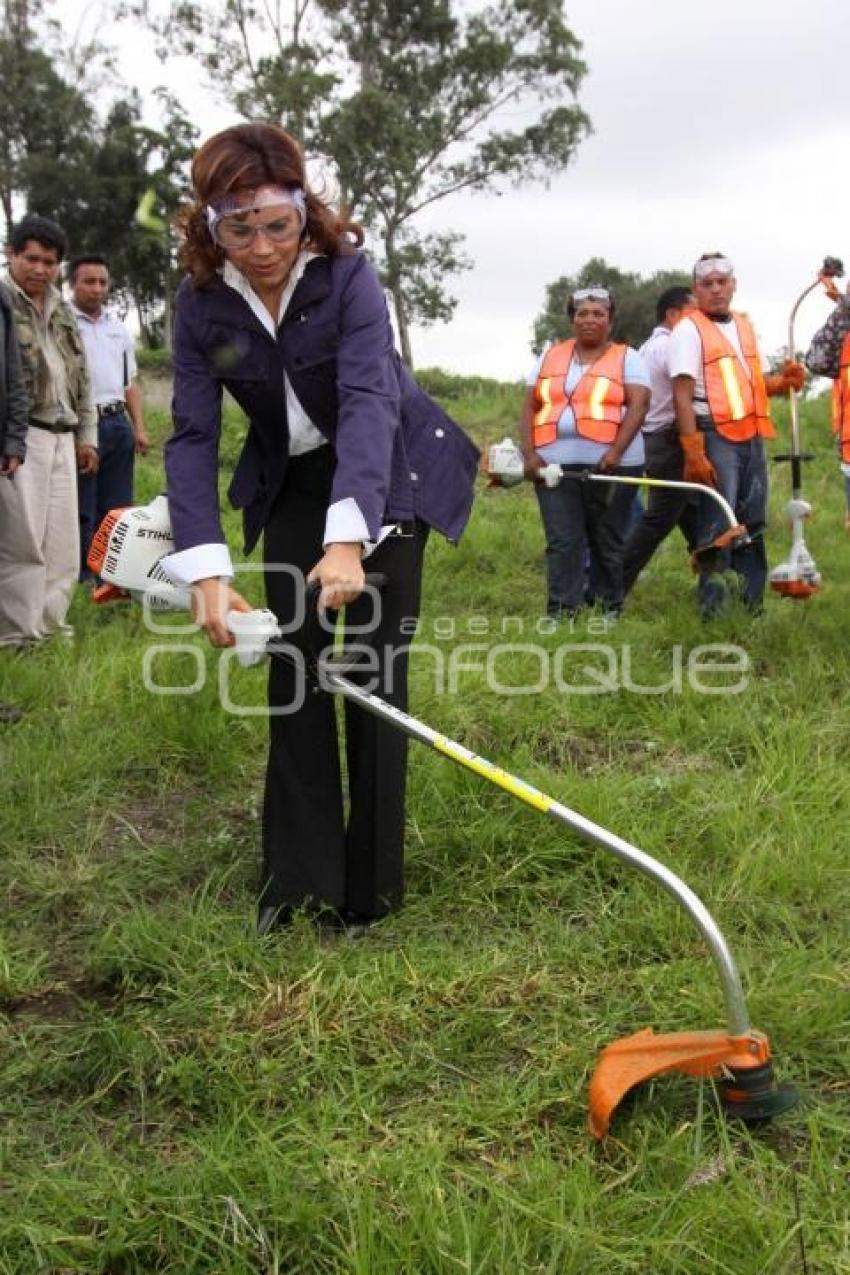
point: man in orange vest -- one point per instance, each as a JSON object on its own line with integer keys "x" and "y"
{"x": 720, "y": 394}
{"x": 829, "y": 355}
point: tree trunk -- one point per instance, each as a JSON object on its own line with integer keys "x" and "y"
{"x": 401, "y": 324}
{"x": 396, "y": 291}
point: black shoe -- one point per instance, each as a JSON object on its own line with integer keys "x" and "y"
{"x": 352, "y": 925}
{"x": 10, "y": 713}
{"x": 273, "y": 918}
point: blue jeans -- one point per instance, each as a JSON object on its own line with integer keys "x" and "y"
{"x": 741, "y": 470}
{"x": 111, "y": 486}
{"x": 579, "y": 516}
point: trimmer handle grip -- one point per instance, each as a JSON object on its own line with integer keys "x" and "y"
{"x": 317, "y": 634}
{"x": 833, "y": 268}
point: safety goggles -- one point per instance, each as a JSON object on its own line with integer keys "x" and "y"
{"x": 235, "y": 234}
{"x": 592, "y": 294}
{"x": 225, "y": 216}
{"x": 713, "y": 265}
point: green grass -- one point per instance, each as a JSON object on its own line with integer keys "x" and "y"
{"x": 178, "y": 1096}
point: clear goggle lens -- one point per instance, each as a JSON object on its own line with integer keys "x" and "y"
{"x": 233, "y": 233}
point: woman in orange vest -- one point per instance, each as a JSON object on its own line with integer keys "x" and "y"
{"x": 584, "y": 405}
{"x": 829, "y": 355}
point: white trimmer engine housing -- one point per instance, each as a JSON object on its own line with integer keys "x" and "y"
{"x": 127, "y": 553}
{"x": 796, "y": 577}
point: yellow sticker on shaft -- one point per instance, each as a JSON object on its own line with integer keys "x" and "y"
{"x": 516, "y": 787}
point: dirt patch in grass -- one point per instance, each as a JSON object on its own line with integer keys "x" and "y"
{"x": 589, "y": 754}
{"x": 61, "y": 1002}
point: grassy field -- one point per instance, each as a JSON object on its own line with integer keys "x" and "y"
{"x": 179, "y": 1096}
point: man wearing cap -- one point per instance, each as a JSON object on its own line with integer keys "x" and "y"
{"x": 720, "y": 394}
{"x": 39, "y": 529}
{"x": 667, "y": 507}
{"x": 120, "y": 422}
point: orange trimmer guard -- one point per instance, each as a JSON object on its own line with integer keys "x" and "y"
{"x": 635, "y": 1059}
{"x": 723, "y": 541}
{"x": 799, "y": 589}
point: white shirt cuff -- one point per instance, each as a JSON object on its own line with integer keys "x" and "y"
{"x": 345, "y": 524}
{"x": 199, "y": 563}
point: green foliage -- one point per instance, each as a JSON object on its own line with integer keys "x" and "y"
{"x": 412, "y": 107}
{"x": 59, "y": 158}
{"x": 45, "y": 130}
{"x": 154, "y": 359}
{"x": 635, "y": 301}
{"x": 180, "y": 1097}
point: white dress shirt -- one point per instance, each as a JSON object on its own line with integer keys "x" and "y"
{"x": 109, "y": 352}
{"x": 655, "y": 354}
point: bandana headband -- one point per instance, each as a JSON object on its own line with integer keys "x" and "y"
{"x": 713, "y": 265}
{"x": 265, "y": 197}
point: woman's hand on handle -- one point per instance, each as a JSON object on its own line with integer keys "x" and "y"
{"x": 340, "y": 573}
{"x": 211, "y": 600}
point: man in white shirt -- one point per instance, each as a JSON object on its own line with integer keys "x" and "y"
{"x": 666, "y": 506}
{"x": 120, "y": 420}
{"x": 720, "y": 394}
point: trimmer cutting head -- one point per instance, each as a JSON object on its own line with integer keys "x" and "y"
{"x": 740, "y": 1066}
{"x": 752, "y": 1094}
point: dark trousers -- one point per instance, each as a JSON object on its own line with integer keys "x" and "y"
{"x": 741, "y": 470}
{"x": 666, "y": 508}
{"x": 579, "y": 515}
{"x": 313, "y": 855}
{"x": 111, "y": 486}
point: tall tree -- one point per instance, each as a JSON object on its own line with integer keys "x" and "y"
{"x": 58, "y": 157}
{"x": 45, "y": 122}
{"x": 413, "y": 100}
{"x": 130, "y": 160}
{"x": 634, "y": 295}
{"x": 428, "y": 118}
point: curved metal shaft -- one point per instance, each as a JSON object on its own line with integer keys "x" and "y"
{"x": 792, "y": 395}
{"x": 703, "y": 490}
{"x": 736, "y": 1009}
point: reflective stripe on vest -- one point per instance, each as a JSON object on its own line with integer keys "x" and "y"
{"x": 841, "y": 402}
{"x": 597, "y": 400}
{"x": 737, "y": 401}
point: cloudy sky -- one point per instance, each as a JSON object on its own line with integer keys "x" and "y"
{"x": 716, "y": 125}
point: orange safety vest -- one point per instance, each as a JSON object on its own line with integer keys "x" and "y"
{"x": 737, "y": 401}
{"x": 841, "y": 402}
{"x": 596, "y": 401}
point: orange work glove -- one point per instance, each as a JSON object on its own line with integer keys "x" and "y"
{"x": 830, "y": 286}
{"x": 792, "y": 377}
{"x": 698, "y": 468}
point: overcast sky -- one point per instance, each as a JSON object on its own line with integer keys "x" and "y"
{"x": 716, "y": 125}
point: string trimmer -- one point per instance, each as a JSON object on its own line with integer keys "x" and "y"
{"x": 798, "y": 577}
{"x": 127, "y": 553}
{"x": 503, "y": 464}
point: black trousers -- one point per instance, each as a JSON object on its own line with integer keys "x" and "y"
{"x": 666, "y": 507}
{"x": 313, "y": 854}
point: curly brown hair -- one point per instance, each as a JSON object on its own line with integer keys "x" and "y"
{"x": 246, "y": 157}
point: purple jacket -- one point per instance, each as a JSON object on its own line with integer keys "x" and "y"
{"x": 398, "y": 454}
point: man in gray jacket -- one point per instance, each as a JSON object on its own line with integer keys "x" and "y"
{"x": 39, "y": 530}
{"x": 13, "y": 421}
